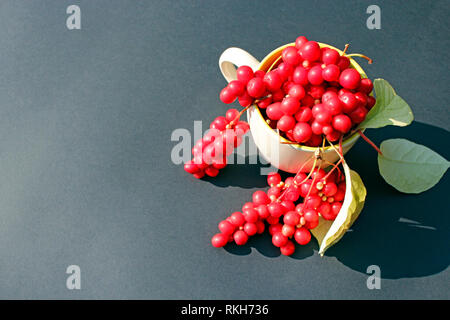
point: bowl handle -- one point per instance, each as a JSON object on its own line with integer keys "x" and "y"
{"x": 235, "y": 57}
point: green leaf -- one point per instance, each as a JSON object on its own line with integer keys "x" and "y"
{"x": 410, "y": 167}
{"x": 390, "y": 108}
{"x": 327, "y": 232}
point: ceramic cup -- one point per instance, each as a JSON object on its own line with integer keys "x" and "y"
{"x": 286, "y": 157}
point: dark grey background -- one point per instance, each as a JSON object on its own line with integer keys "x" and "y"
{"x": 86, "y": 175}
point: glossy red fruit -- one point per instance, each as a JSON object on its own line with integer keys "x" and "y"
{"x": 331, "y": 73}
{"x": 343, "y": 63}
{"x": 227, "y": 96}
{"x": 219, "y": 240}
{"x": 236, "y": 87}
{"x": 330, "y": 56}
{"x": 256, "y": 87}
{"x": 273, "y": 178}
{"x": 348, "y": 101}
{"x": 310, "y": 51}
{"x": 250, "y": 228}
{"x": 300, "y": 76}
{"x": 211, "y": 171}
{"x": 342, "y": 123}
{"x": 279, "y": 239}
{"x": 302, "y": 132}
{"x": 365, "y": 86}
{"x": 303, "y": 114}
{"x": 260, "y": 226}
{"x": 315, "y": 75}
{"x": 290, "y": 55}
{"x": 263, "y": 212}
{"x": 264, "y": 103}
{"x": 245, "y": 100}
{"x": 284, "y": 70}
{"x": 274, "y": 111}
{"x": 358, "y": 115}
{"x": 274, "y": 228}
{"x": 297, "y": 91}
{"x": 302, "y": 236}
{"x": 260, "y": 197}
{"x": 333, "y": 105}
{"x": 292, "y": 218}
{"x": 273, "y": 81}
{"x": 237, "y": 219}
{"x": 244, "y": 74}
{"x": 276, "y": 210}
{"x": 330, "y": 189}
{"x": 335, "y": 208}
{"x": 240, "y": 237}
{"x": 300, "y": 41}
{"x": 191, "y": 167}
{"x": 289, "y": 105}
{"x": 286, "y": 123}
{"x": 288, "y": 230}
{"x": 231, "y": 114}
{"x": 311, "y": 217}
{"x": 288, "y": 249}
{"x": 312, "y": 201}
{"x": 250, "y": 215}
{"x": 349, "y": 78}
{"x": 226, "y": 227}
{"x": 325, "y": 211}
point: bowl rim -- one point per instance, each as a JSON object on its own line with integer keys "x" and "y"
{"x": 268, "y": 61}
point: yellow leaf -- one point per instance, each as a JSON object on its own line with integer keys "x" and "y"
{"x": 327, "y": 232}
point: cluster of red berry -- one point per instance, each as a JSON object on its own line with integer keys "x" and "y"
{"x": 287, "y": 217}
{"x": 210, "y": 152}
{"x": 312, "y": 92}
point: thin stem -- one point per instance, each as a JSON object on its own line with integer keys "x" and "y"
{"x": 335, "y": 166}
{"x": 369, "y": 142}
{"x": 360, "y": 56}
{"x": 341, "y": 149}
{"x": 332, "y": 145}
{"x": 298, "y": 172}
{"x": 345, "y": 49}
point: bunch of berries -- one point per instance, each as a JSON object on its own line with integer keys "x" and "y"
{"x": 210, "y": 152}
{"x": 290, "y": 208}
{"x": 311, "y": 93}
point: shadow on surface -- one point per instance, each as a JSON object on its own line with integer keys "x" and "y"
{"x": 244, "y": 173}
{"x": 407, "y": 235}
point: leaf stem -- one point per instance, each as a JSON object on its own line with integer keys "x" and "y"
{"x": 369, "y": 142}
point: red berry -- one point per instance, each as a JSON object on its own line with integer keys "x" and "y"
{"x": 358, "y": 115}
{"x": 250, "y": 228}
{"x": 291, "y": 56}
{"x": 227, "y": 96}
{"x": 303, "y": 114}
{"x": 302, "y": 236}
{"x": 260, "y": 226}
{"x": 256, "y": 87}
{"x": 340, "y": 195}
{"x": 292, "y": 218}
{"x": 296, "y": 91}
{"x": 219, "y": 240}
{"x": 289, "y": 105}
{"x": 349, "y": 101}
{"x": 333, "y": 136}
{"x": 300, "y": 41}
{"x": 311, "y": 218}
{"x": 226, "y": 227}
{"x": 343, "y": 63}
{"x": 315, "y": 75}
{"x": 310, "y": 51}
{"x": 312, "y": 201}
{"x": 331, "y": 73}
{"x": 236, "y": 87}
{"x": 325, "y": 211}
{"x": 274, "y": 111}
{"x": 330, "y": 56}
{"x": 231, "y": 114}
{"x": 240, "y": 237}
{"x": 263, "y": 212}
{"x": 279, "y": 239}
{"x": 330, "y": 189}
{"x": 371, "y": 102}
{"x": 237, "y": 219}
{"x": 307, "y": 101}
{"x": 323, "y": 117}
{"x": 250, "y": 215}
{"x": 300, "y": 76}
{"x": 361, "y": 99}
{"x": 245, "y": 100}
{"x": 191, "y": 167}
{"x": 333, "y": 105}
{"x": 284, "y": 70}
{"x": 273, "y": 178}
{"x": 212, "y": 171}
{"x": 302, "y": 132}
{"x": 288, "y": 205}
{"x": 335, "y": 208}
{"x": 273, "y": 81}
{"x": 244, "y": 74}
{"x": 288, "y": 230}
{"x": 260, "y": 74}
{"x": 260, "y": 197}
{"x": 349, "y": 78}
{"x": 276, "y": 209}
{"x": 288, "y": 249}
{"x": 286, "y": 123}
{"x": 316, "y": 127}
{"x": 366, "y": 86}
{"x": 342, "y": 123}
{"x": 274, "y": 228}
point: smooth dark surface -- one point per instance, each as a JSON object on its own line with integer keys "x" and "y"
{"x": 86, "y": 118}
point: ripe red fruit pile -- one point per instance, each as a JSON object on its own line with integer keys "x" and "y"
{"x": 287, "y": 217}
{"x": 313, "y": 92}
{"x": 210, "y": 152}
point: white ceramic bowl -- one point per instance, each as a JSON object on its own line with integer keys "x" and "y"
{"x": 286, "y": 157}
